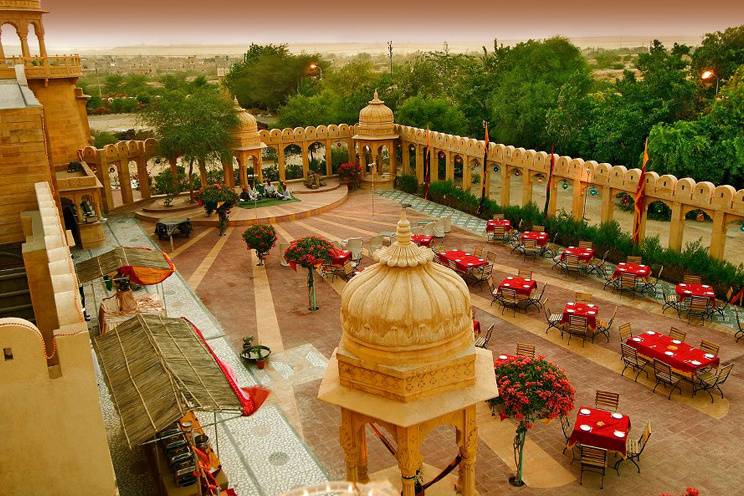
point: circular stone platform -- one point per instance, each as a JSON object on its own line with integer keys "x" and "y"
{"x": 311, "y": 202}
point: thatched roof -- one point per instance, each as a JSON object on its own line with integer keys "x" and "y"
{"x": 157, "y": 369}
{"x": 121, "y": 256}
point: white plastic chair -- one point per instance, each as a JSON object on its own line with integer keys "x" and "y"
{"x": 428, "y": 229}
{"x": 447, "y": 221}
{"x": 354, "y": 245}
{"x": 374, "y": 244}
{"x": 438, "y": 228}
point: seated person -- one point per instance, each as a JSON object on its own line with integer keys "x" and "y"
{"x": 260, "y": 191}
{"x": 270, "y": 189}
{"x": 247, "y": 194}
{"x": 283, "y": 192}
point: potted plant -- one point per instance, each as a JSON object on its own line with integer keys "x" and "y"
{"x": 530, "y": 389}
{"x": 256, "y": 353}
{"x": 260, "y": 237}
{"x": 213, "y": 195}
{"x": 351, "y": 174}
{"x": 309, "y": 253}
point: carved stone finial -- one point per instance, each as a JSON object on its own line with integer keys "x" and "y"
{"x": 403, "y": 253}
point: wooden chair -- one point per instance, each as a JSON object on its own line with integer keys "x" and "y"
{"x": 604, "y": 326}
{"x": 597, "y": 265}
{"x": 479, "y": 275}
{"x": 478, "y": 252}
{"x": 585, "y": 244}
{"x": 498, "y": 234}
{"x": 347, "y": 271}
{"x": 524, "y": 274}
{"x": 670, "y": 301}
{"x": 708, "y": 380}
{"x": 566, "y": 428}
{"x": 593, "y": 460}
{"x": 583, "y": 297}
{"x": 722, "y": 305}
{"x": 571, "y": 263}
{"x": 577, "y": 326}
{"x": 606, "y": 400}
{"x": 553, "y": 319}
{"x": 650, "y": 285}
{"x": 536, "y": 299}
{"x": 510, "y": 299}
{"x": 626, "y": 332}
{"x": 664, "y": 375}
{"x": 628, "y": 282}
{"x": 632, "y": 360}
{"x": 494, "y": 290}
{"x": 527, "y": 350}
{"x": 483, "y": 340}
{"x": 634, "y": 259}
{"x": 529, "y": 248}
{"x": 634, "y": 449}
{"x": 699, "y": 306}
{"x": 690, "y": 279}
{"x": 675, "y": 333}
{"x": 498, "y": 216}
{"x": 709, "y": 346}
{"x": 538, "y": 228}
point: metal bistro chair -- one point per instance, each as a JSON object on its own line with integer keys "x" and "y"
{"x": 551, "y": 249}
{"x": 664, "y": 375}
{"x": 571, "y": 263}
{"x": 626, "y": 332}
{"x": 553, "y": 319}
{"x": 634, "y": 449}
{"x": 632, "y": 360}
{"x": 650, "y": 285}
{"x": 538, "y": 228}
{"x": 675, "y": 333}
{"x": 582, "y": 297}
{"x": 740, "y": 332}
{"x": 536, "y": 300}
{"x": 634, "y": 259}
{"x": 606, "y": 400}
{"x": 567, "y": 431}
{"x": 527, "y": 350}
{"x": 593, "y": 460}
{"x": 670, "y": 301}
{"x": 603, "y": 327}
{"x": 628, "y": 282}
{"x": 483, "y": 340}
{"x": 529, "y": 248}
{"x": 699, "y": 306}
{"x": 597, "y": 265}
{"x": 585, "y": 244}
{"x": 709, "y": 346}
{"x": 498, "y": 234}
{"x": 511, "y": 300}
{"x": 709, "y": 380}
{"x": 524, "y": 273}
{"x": 479, "y": 275}
{"x": 722, "y": 305}
{"x": 577, "y": 326}
{"x": 690, "y": 279}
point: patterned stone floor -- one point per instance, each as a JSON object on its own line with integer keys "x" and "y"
{"x": 693, "y": 441}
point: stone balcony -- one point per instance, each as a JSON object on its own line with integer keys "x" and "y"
{"x": 54, "y": 67}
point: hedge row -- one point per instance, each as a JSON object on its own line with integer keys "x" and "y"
{"x": 693, "y": 259}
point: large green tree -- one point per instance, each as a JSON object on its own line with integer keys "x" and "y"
{"x": 435, "y": 113}
{"x": 269, "y": 74}
{"x": 722, "y": 51}
{"x": 195, "y": 125}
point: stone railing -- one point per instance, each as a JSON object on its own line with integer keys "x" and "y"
{"x": 58, "y": 66}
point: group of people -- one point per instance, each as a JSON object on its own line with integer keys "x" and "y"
{"x": 265, "y": 190}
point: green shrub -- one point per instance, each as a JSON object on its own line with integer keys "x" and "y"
{"x": 407, "y": 183}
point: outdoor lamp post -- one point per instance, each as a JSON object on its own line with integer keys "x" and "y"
{"x": 317, "y": 67}
{"x": 707, "y": 76}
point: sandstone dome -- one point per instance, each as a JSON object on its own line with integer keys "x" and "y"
{"x": 20, "y": 5}
{"x": 246, "y": 133}
{"x": 376, "y": 121}
{"x": 406, "y": 309}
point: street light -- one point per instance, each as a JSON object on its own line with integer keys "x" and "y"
{"x": 708, "y": 75}
{"x": 316, "y": 67}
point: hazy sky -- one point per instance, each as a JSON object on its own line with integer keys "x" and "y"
{"x": 109, "y": 23}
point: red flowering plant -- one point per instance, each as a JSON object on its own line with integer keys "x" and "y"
{"x": 213, "y": 195}
{"x": 351, "y": 174}
{"x": 310, "y": 253}
{"x": 530, "y": 389}
{"x": 260, "y": 237}
{"x": 690, "y": 491}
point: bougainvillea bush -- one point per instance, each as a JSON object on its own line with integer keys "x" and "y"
{"x": 260, "y": 237}
{"x": 310, "y": 253}
{"x": 351, "y": 174}
{"x": 690, "y": 491}
{"x": 211, "y": 196}
{"x": 532, "y": 389}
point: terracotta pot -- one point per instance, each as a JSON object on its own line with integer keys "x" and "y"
{"x": 260, "y": 364}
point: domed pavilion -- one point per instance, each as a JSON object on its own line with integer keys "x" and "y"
{"x": 375, "y": 131}
{"x": 247, "y": 146}
{"x": 406, "y": 361}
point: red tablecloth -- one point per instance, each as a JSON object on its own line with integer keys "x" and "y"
{"x": 505, "y": 223}
{"x": 422, "y": 239}
{"x": 340, "y": 257}
{"x": 541, "y": 237}
{"x": 588, "y": 310}
{"x": 655, "y": 345}
{"x": 464, "y": 261}
{"x": 603, "y": 427}
{"x": 688, "y": 290}
{"x": 584, "y": 254}
{"x": 639, "y": 270}
{"x": 521, "y": 286}
{"x": 501, "y": 358}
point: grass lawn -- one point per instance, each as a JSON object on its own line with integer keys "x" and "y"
{"x": 267, "y": 202}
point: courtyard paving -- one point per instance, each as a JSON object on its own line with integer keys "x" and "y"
{"x": 693, "y": 441}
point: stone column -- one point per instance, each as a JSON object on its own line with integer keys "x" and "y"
{"x": 363, "y": 158}
{"x": 405, "y": 157}
{"x": 467, "y": 174}
{"x": 393, "y": 159}
{"x": 2, "y": 51}
{"x": 644, "y": 216}
{"x": 143, "y": 177}
{"x": 419, "y": 159}
{"x": 42, "y": 43}
{"x": 329, "y": 157}
{"x": 487, "y": 178}
{"x": 718, "y": 235}
{"x": 434, "y": 165}
{"x": 125, "y": 181}
{"x": 102, "y": 168}
{"x": 449, "y": 166}
{"x": 258, "y": 165}
{"x": 361, "y": 437}
{"x": 409, "y": 458}
{"x": 676, "y": 227}
{"x": 349, "y": 445}
{"x": 305, "y": 160}
{"x": 351, "y": 151}
{"x": 577, "y": 200}
{"x": 281, "y": 162}
{"x": 552, "y": 204}
{"x": 23, "y": 35}
{"x": 526, "y": 186}
{"x": 505, "y": 186}
{"x": 608, "y": 204}
{"x": 242, "y": 165}
{"x": 467, "y": 441}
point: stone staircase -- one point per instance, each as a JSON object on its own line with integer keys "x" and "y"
{"x": 15, "y": 298}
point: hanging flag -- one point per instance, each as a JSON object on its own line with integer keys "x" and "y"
{"x": 482, "y": 204}
{"x": 640, "y": 196}
{"x": 427, "y": 164}
{"x": 550, "y": 180}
